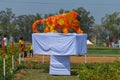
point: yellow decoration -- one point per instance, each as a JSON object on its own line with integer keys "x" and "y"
{"x": 61, "y": 22}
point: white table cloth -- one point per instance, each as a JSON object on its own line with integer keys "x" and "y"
{"x": 59, "y": 44}
{"x": 60, "y": 47}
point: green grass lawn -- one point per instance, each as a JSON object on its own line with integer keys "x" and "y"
{"x": 39, "y": 74}
{"x": 103, "y": 51}
{"x": 95, "y": 71}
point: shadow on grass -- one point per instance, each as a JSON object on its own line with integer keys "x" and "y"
{"x": 73, "y": 73}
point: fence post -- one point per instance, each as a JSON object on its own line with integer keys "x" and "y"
{"x": 4, "y": 70}
{"x": 3, "y": 53}
{"x": 85, "y": 58}
{"x": 12, "y": 60}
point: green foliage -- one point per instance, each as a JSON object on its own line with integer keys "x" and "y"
{"x": 96, "y": 71}
{"x": 103, "y": 71}
{"x": 6, "y": 17}
{"x": 111, "y": 22}
{"x": 86, "y": 21}
{"x": 8, "y": 61}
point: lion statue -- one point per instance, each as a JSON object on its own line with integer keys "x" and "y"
{"x": 65, "y": 21}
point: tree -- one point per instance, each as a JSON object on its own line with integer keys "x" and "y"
{"x": 24, "y": 25}
{"x": 111, "y": 22}
{"x": 86, "y": 21}
{"x": 6, "y": 18}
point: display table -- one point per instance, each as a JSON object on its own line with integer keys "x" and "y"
{"x": 59, "y": 46}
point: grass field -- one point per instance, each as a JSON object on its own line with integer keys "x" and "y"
{"x": 103, "y": 51}
{"x": 43, "y": 74}
{"x": 39, "y": 74}
{"x": 103, "y": 71}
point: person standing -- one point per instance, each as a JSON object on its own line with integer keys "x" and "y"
{"x": 119, "y": 43}
{"x": 11, "y": 40}
{"x": 22, "y": 47}
{"x": 5, "y": 42}
{"x": 30, "y": 50}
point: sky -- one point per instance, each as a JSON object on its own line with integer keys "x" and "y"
{"x": 97, "y": 8}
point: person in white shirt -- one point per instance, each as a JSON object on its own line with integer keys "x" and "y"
{"x": 119, "y": 43}
{"x": 5, "y": 42}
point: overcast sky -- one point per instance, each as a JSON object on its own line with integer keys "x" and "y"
{"x": 97, "y": 8}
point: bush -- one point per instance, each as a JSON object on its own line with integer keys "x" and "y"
{"x": 103, "y": 71}
{"x": 8, "y": 61}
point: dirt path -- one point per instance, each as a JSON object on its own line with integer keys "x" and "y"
{"x": 79, "y": 59}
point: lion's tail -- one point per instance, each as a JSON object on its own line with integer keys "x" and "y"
{"x": 34, "y": 29}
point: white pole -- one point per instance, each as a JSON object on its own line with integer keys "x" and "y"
{"x": 23, "y": 57}
{"x": 19, "y": 59}
{"x": 4, "y": 66}
{"x": 43, "y": 54}
{"x": 85, "y": 58}
{"x": 43, "y": 59}
{"x": 13, "y": 62}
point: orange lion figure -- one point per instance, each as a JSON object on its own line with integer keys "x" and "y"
{"x": 64, "y": 21}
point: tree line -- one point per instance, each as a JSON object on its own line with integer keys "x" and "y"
{"x": 21, "y": 25}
